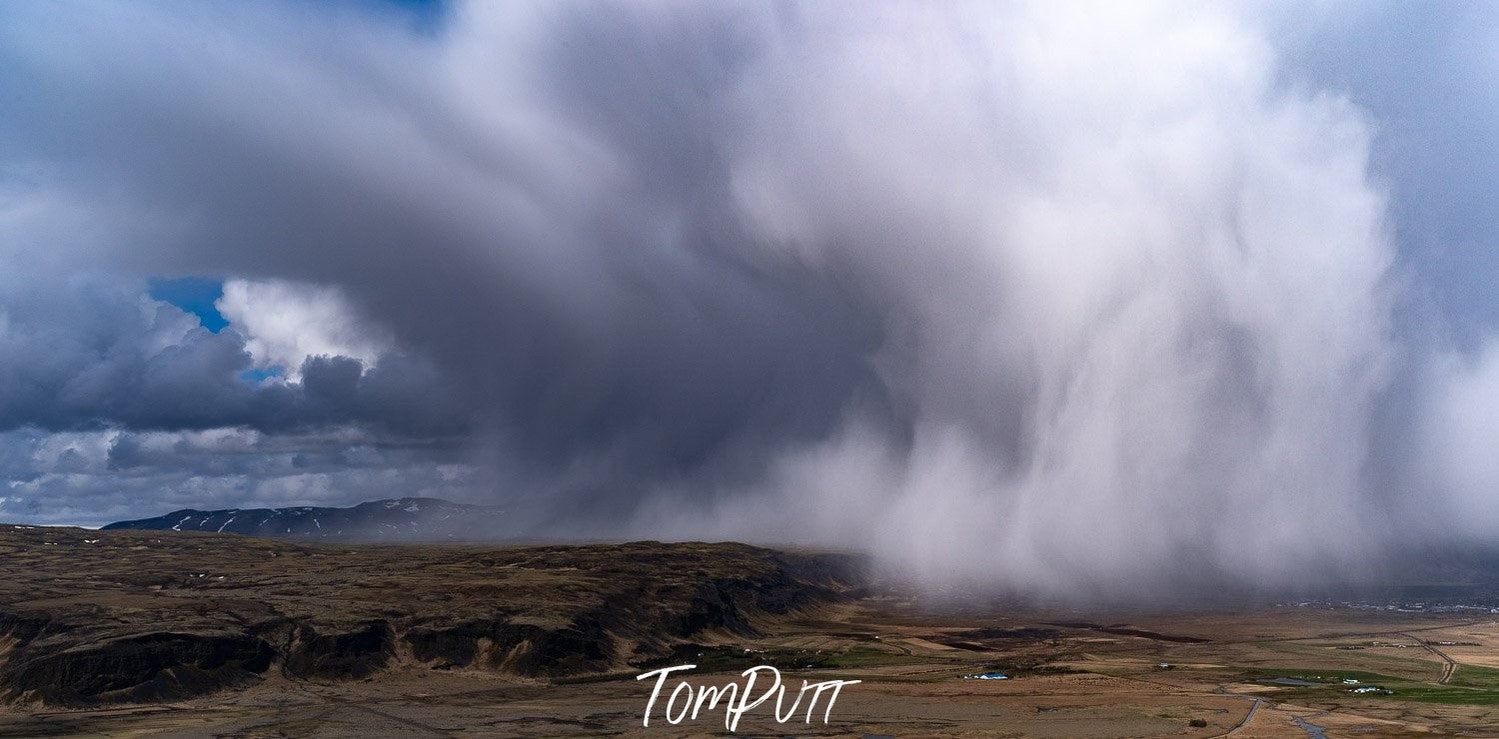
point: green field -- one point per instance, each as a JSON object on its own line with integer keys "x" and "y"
{"x": 1477, "y": 686}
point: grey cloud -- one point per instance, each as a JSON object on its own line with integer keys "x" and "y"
{"x": 1073, "y": 300}
{"x": 88, "y": 354}
{"x": 115, "y": 475}
{"x": 613, "y": 317}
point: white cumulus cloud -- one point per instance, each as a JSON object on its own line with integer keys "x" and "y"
{"x": 286, "y": 322}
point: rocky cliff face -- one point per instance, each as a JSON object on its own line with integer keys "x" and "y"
{"x": 130, "y": 616}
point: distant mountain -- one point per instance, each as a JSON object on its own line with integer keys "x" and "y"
{"x": 399, "y": 519}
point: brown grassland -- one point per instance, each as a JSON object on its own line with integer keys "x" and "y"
{"x": 164, "y": 634}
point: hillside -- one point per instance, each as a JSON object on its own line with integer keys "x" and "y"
{"x": 110, "y": 616}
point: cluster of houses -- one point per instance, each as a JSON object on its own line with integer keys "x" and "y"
{"x": 1366, "y": 689}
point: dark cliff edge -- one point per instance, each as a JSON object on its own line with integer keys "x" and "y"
{"x": 92, "y": 618}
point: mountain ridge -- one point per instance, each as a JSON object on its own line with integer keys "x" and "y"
{"x": 402, "y": 519}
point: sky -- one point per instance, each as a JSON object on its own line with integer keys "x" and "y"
{"x": 1059, "y": 298}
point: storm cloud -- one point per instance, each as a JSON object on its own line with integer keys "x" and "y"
{"x": 1062, "y": 298}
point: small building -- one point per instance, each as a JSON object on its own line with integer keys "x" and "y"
{"x": 987, "y": 676}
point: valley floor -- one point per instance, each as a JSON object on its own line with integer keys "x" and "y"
{"x": 1067, "y": 681}
{"x": 159, "y": 634}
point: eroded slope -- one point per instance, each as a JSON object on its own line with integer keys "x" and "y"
{"x": 101, "y": 616}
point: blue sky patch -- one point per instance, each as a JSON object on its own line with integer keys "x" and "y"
{"x": 258, "y": 375}
{"x": 196, "y": 295}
